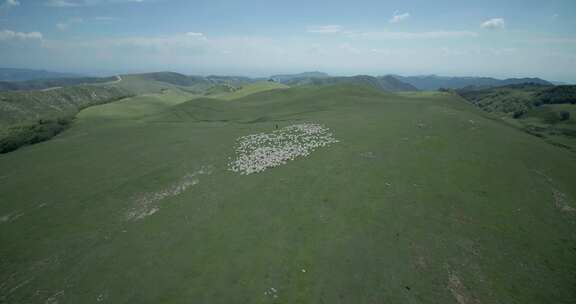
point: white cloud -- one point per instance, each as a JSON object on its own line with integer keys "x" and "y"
{"x": 325, "y": 29}
{"x": 197, "y": 36}
{"x": 413, "y": 35}
{"x": 349, "y": 48}
{"x": 263, "y": 55}
{"x": 78, "y": 3}
{"x": 62, "y": 3}
{"x": 183, "y": 42}
{"x": 381, "y": 51}
{"x": 397, "y": 17}
{"x": 194, "y": 34}
{"x": 494, "y": 23}
{"x": 104, "y": 18}
{"x": 65, "y": 25}
{"x": 12, "y": 35}
{"x": 9, "y": 4}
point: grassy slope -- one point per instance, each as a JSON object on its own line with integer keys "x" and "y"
{"x": 17, "y": 107}
{"x": 34, "y": 116}
{"x": 252, "y": 89}
{"x": 132, "y": 109}
{"x": 425, "y": 199}
{"x": 139, "y": 85}
{"x": 543, "y": 121}
{"x": 383, "y": 83}
{"x": 43, "y": 84}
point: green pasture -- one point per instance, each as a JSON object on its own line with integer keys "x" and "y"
{"x": 425, "y": 199}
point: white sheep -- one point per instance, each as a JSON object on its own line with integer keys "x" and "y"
{"x": 257, "y": 152}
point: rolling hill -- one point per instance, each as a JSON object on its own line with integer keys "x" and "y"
{"x": 32, "y": 116}
{"x": 285, "y": 78}
{"x": 17, "y": 107}
{"x": 158, "y": 81}
{"x": 434, "y": 82}
{"x": 512, "y": 99}
{"x": 43, "y": 84}
{"x": 382, "y": 83}
{"x": 545, "y": 111}
{"x": 505, "y": 99}
{"x": 374, "y": 197}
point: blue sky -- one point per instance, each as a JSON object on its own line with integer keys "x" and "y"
{"x": 485, "y": 38}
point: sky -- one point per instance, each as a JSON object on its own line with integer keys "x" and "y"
{"x": 496, "y": 38}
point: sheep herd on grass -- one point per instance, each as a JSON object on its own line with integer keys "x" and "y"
{"x": 257, "y": 152}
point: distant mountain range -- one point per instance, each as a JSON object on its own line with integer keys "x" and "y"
{"x": 382, "y": 83}
{"x": 200, "y": 83}
{"x": 10, "y": 74}
{"x": 26, "y": 79}
{"x": 434, "y": 82}
{"x": 405, "y": 83}
{"x": 292, "y": 77}
{"x": 186, "y": 80}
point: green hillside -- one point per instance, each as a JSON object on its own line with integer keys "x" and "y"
{"x": 156, "y": 82}
{"x": 252, "y": 89}
{"x": 45, "y": 84}
{"x": 544, "y": 111}
{"x": 406, "y": 198}
{"x": 562, "y": 94}
{"x": 21, "y": 106}
{"x": 285, "y": 78}
{"x": 435, "y": 82}
{"x": 30, "y": 117}
{"x": 174, "y": 78}
{"x": 504, "y": 100}
{"x": 382, "y": 83}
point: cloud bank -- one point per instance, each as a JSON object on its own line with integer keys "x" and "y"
{"x": 12, "y": 35}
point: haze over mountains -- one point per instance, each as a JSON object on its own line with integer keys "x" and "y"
{"x": 38, "y": 79}
{"x": 434, "y": 82}
{"x": 14, "y": 74}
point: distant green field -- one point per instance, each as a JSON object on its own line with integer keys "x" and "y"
{"x": 135, "y": 108}
{"x": 253, "y": 88}
{"x": 545, "y": 121}
{"x": 533, "y": 108}
{"x": 424, "y": 199}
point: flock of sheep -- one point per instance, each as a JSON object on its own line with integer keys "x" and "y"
{"x": 257, "y": 152}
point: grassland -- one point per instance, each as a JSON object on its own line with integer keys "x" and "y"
{"x": 29, "y": 117}
{"x": 46, "y": 84}
{"x": 536, "y": 109}
{"x": 252, "y": 89}
{"x": 17, "y": 107}
{"x": 32, "y": 116}
{"x": 424, "y": 199}
{"x": 546, "y": 123}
